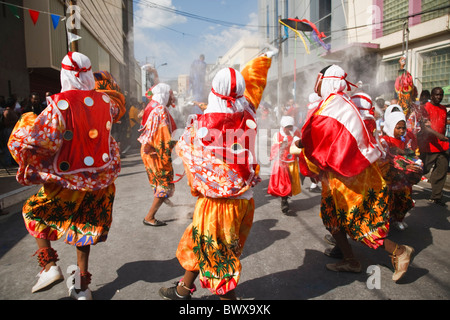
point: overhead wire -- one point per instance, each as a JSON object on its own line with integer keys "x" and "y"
{"x": 240, "y": 25}
{"x": 152, "y": 22}
{"x": 233, "y": 24}
{"x": 393, "y": 19}
{"x": 151, "y": 4}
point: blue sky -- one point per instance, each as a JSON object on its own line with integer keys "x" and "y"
{"x": 163, "y": 36}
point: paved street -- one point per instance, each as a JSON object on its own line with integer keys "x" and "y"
{"x": 283, "y": 258}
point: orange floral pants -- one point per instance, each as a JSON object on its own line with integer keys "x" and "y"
{"x": 214, "y": 241}
{"x": 85, "y": 217}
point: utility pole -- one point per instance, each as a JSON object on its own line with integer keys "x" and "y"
{"x": 280, "y": 67}
{"x": 73, "y": 46}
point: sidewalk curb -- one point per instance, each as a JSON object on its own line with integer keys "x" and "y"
{"x": 16, "y": 196}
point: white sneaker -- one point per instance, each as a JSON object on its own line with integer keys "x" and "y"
{"x": 48, "y": 278}
{"x": 81, "y": 295}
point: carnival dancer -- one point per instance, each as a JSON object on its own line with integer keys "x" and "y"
{"x": 367, "y": 111}
{"x": 156, "y": 151}
{"x": 284, "y": 180}
{"x": 69, "y": 149}
{"x": 217, "y": 150}
{"x": 338, "y": 147}
{"x": 405, "y": 168}
{"x": 152, "y": 104}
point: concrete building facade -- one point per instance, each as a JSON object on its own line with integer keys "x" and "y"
{"x": 367, "y": 38}
{"x": 31, "y": 61}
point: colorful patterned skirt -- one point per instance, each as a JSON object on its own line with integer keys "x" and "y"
{"x": 160, "y": 173}
{"x": 214, "y": 241}
{"x": 400, "y": 188}
{"x": 85, "y": 217}
{"x": 358, "y": 205}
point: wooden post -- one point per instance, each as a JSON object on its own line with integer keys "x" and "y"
{"x": 74, "y": 44}
{"x": 280, "y": 69}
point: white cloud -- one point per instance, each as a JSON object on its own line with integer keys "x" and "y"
{"x": 224, "y": 40}
{"x": 213, "y": 43}
{"x": 148, "y": 17}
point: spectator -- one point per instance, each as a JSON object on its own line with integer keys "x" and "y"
{"x": 434, "y": 145}
{"x": 8, "y": 120}
{"x": 34, "y": 104}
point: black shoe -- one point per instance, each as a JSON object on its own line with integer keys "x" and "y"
{"x": 284, "y": 205}
{"x": 157, "y": 223}
{"x": 172, "y": 294}
{"x": 315, "y": 190}
{"x": 438, "y": 202}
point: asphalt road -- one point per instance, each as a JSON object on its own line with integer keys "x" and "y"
{"x": 283, "y": 258}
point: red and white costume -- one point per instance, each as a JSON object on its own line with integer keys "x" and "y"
{"x": 338, "y": 147}
{"x": 285, "y": 174}
{"x": 217, "y": 150}
{"x": 65, "y": 144}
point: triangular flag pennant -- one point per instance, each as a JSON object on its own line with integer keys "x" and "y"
{"x": 72, "y": 37}
{"x": 55, "y": 20}
{"x": 34, "y": 15}
{"x": 13, "y": 10}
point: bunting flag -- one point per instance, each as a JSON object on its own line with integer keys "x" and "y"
{"x": 34, "y": 15}
{"x": 71, "y": 37}
{"x": 55, "y": 20}
{"x": 14, "y": 10}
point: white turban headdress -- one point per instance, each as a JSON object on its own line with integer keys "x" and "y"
{"x": 161, "y": 93}
{"x": 227, "y": 92}
{"x": 286, "y": 121}
{"x": 334, "y": 80}
{"x": 76, "y": 73}
{"x": 393, "y": 115}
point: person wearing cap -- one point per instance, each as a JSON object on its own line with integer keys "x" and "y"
{"x": 218, "y": 152}
{"x": 69, "y": 149}
{"x": 284, "y": 180}
{"x": 338, "y": 147}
